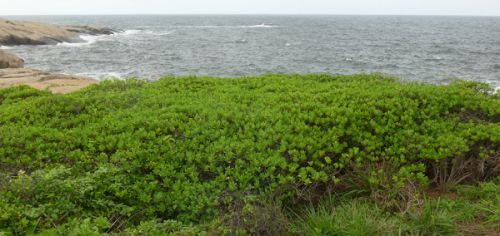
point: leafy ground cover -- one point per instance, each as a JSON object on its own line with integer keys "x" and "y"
{"x": 266, "y": 155}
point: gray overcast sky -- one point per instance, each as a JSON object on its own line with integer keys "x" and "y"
{"x": 389, "y": 7}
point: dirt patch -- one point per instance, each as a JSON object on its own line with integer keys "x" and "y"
{"x": 439, "y": 193}
{"x": 474, "y": 229}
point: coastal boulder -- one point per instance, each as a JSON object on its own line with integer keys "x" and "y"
{"x": 8, "y": 60}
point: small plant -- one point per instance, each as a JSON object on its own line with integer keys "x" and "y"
{"x": 253, "y": 215}
{"x": 339, "y": 217}
{"x": 432, "y": 220}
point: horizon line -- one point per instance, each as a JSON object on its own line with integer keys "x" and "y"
{"x": 248, "y": 14}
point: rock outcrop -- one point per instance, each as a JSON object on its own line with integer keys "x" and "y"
{"x": 33, "y": 33}
{"x": 12, "y": 72}
{"x": 56, "y": 83}
{"x": 90, "y": 30}
{"x": 8, "y": 60}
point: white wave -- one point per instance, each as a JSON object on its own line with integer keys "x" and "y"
{"x": 112, "y": 75}
{"x": 227, "y": 26}
{"x": 142, "y": 32}
{"x": 157, "y": 33}
{"x": 5, "y": 47}
{"x": 103, "y": 75}
{"x": 87, "y": 40}
{"x": 263, "y": 25}
{"x": 68, "y": 44}
{"x": 130, "y": 32}
{"x": 91, "y": 39}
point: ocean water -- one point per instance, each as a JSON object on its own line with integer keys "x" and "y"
{"x": 434, "y": 49}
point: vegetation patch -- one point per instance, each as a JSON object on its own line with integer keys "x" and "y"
{"x": 199, "y": 155}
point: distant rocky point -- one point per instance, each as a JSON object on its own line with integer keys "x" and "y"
{"x": 34, "y": 33}
{"x": 12, "y": 72}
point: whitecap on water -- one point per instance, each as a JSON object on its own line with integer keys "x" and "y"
{"x": 5, "y": 47}
{"x": 157, "y": 33}
{"x": 112, "y": 75}
{"x": 87, "y": 40}
{"x": 142, "y": 32}
{"x": 263, "y": 25}
{"x": 130, "y": 32}
{"x": 91, "y": 39}
{"x": 227, "y": 26}
{"x": 103, "y": 75}
{"x": 435, "y": 58}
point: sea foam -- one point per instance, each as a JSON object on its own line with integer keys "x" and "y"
{"x": 130, "y": 32}
{"x": 139, "y": 32}
{"x": 102, "y": 75}
{"x": 263, "y": 25}
{"x": 87, "y": 40}
{"x": 91, "y": 39}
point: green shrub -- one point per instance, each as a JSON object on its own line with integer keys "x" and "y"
{"x": 13, "y": 94}
{"x": 131, "y": 151}
{"x": 168, "y": 227}
{"x": 246, "y": 214}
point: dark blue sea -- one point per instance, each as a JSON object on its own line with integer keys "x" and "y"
{"x": 434, "y": 49}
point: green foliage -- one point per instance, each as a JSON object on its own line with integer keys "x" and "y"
{"x": 13, "y": 94}
{"x": 132, "y": 151}
{"x": 432, "y": 220}
{"x": 472, "y": 210}
{"x": 340, "y": 217}
{"x": 51, "y": 196}
{"x": 485, "y": 191}
{"x": 481, "y": 203}
{"x": 168, "y": 227}
{"x": 246, "y": 214}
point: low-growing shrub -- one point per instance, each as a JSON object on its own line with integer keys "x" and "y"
{"x": 246, "y": 214}
{"x": 132, "y": 151}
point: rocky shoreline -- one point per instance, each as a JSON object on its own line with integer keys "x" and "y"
{"x": 33, "y": 33}
{"x": 12, "y": 71}
{"x": 56, "y": 83}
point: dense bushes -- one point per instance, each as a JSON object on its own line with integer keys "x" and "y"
{"x": 124, "y": 153}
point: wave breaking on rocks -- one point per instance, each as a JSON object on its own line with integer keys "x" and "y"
{"x": 34, "y": 33}
{"x": 12, "y": 73}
